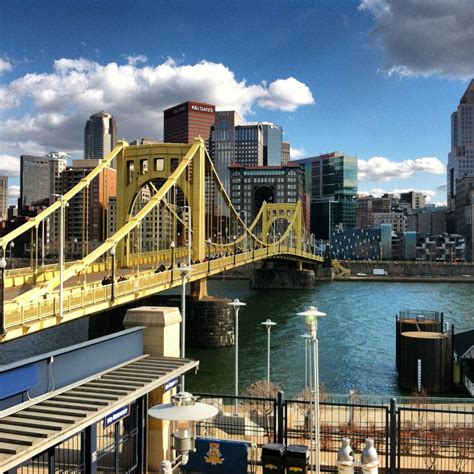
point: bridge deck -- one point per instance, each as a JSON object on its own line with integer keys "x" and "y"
{"x": 92, "y": 297}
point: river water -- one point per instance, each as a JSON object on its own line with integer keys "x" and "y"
{"x": 356, "y": 338}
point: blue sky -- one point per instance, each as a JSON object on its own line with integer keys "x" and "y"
{"x": 374, "y": 78}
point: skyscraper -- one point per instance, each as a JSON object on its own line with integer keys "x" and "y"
{"x": 38, "y": 175}
{"x": 3, "y": 198}
{"x": 184, "y": 122}
{"x": 331, "y": 181}
{"x": 222, "y": 143}
{"x": 272, "y": 144}
{"x": 461, "y": 156}
{"x": 86, "y": 224}
{"x": 100, "y": 136}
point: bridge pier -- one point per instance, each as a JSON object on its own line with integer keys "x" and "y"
{"x": 271, "y": 277}
{"x": 209, "y": 320}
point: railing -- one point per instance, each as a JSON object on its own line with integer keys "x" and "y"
{"x": 418, "y": 435}
{"x": 94, "y": 297}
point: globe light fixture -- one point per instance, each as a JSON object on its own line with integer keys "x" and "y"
{"x": 183, "y": 411}
{"x": 311, "y": 316}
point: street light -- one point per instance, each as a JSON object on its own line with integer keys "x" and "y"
{"x": 235, "y": 238}
{"x": 268, "y": 324}
{"x": 183, "y": 412}
{"x": 183, "y": 271}
{"x": 172, "y": 260}
{"x": 245, "y": 213}
{"x": 189, "y": 233}
{"x": 307, "y": 362}
{"x": 209, "y": 242}
{"x": 61, "y": 251}
{"x": 112, "y": 295}
{"x": 3, "y": 265}
{"x": 311, "y": 315}
{"x": 74, "y": 249}
{"x": 236, "y": 304}
{"x": 279, "y": 242}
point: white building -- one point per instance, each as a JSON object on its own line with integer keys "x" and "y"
{"x": 461, "y": 156}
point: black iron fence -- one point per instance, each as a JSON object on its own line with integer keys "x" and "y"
{"x": 419, "y": 436}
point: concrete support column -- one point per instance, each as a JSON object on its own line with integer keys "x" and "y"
{"x": 161, "y": 338}
{"x": 199, "y": 289}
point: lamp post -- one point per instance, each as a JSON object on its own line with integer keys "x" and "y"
{"x": 279, "y": 242}
{"x": 234, "y": 238}
{"x": 182, "y": 412}
{"x": 183, "y": 271}
{"x": 245, "y": 213}
{"x": 172, "y": 260}
{"x": 253, "y": 249}
{"x": 311, "y": 315}
{"x": 189, "y": 233}
{"x": 268, "y": 324}
{"x": 307, "y": 362}
{"x": 3, "y": 265}
{"x": 61, "y": 251}
{"x": 209, "y": 242}
{"x": 42, "y": 243}
{"x": 112, "y": 293}
{"x": 236, "y": 304}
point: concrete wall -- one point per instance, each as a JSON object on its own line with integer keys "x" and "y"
{"x": 411, "y": 268}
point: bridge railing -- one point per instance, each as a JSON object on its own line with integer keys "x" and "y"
{"x": 94, "y": 297}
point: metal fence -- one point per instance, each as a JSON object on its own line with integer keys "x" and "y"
{"x": 418, "y": 436}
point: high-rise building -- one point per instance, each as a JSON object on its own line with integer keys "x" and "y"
{"x": 3, "y": 198}
{"x": 252, "y": 185}
{"x": 464, "y": 206}
{"x": 461, "y": 156}
{"x": 222, "y": 147}
{"x": 272, "y": 144}
{"x": 366, "y": 206}
{"x": 249, "y": 145}
{"x": 415, "y": 199}
{"x": 185, "y": 122}
{"x": 38, "y": 175}
{"x": 331, "y": 181}
{"x": 86, "y": 216}
{"x": 285, "y": 153}
{"x": 100, "y": 136}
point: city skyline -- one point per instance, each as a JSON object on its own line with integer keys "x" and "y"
{"x": 335, "y": 77}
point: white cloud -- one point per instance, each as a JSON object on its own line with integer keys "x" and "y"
{"x": 424, "y": 37}
{"x": 134, "y": 60}
{"x": 378, "y": 192}
{"x": 135, "y": 93}
{"x": 5, "y": 66}
{"x": 297, "y": 153}
{"x": 379, "y": 168}
{"x": 9, "y": 165}
{"x": 286, "y": 94}
{"x": 14, "y": 192}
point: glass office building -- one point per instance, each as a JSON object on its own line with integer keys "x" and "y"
{"x": 331, "y": 181}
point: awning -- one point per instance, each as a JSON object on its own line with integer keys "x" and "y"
{"x": 37, "y": 426}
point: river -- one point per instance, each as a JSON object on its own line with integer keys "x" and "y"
{"x": 356, "y": 338}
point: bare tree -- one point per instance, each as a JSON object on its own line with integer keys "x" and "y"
{"x": 265, "y": 394}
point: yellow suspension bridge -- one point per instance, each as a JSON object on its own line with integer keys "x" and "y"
{"x": 171, "y": 209}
